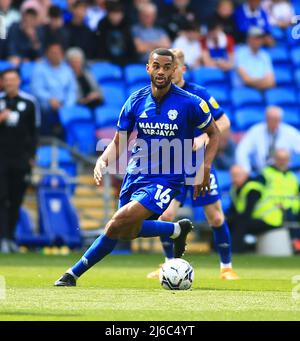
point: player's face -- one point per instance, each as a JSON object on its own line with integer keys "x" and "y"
{"x": 178, "y": 73}
{"x": 11, "y": 82}
{"x": 161, "y": 70}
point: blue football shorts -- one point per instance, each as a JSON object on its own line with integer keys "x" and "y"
{"x": 207, "y": 199}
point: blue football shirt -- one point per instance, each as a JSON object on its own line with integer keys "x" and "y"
{"x": 175, "y": 117}
{"x": 216, "y": 110}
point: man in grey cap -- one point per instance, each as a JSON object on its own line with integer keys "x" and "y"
{"x": 253, "y": 65}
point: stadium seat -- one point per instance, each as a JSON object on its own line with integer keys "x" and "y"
{"x": 135, "y": 73}
{"x": 4, "y": 65}
{"x": 282, "y": 96}
{"x": 279, "y": 54}
{"x": 220, "y": 93}
{"x": 106, "y": 116}
{"x": 58, "y": 219}
{"x": 283, "y": 76}
{"x": 278, "y": 34}
{"x": 297, "y": 77}
{"x": 76, "y": 112}
{"x": 26, "y": 70}
{"x": 114, "y": 95}
{"x": 295, "y": 56}
{"x": 104, "y": 71}
{"x": 295, "y": 162}
{"x": 25, "y": 234}
{"x": 246, "y": 117}
{"x": 82, "y": 135}
{"x": 64, "y": 159}
{"x": 241, "y": 97}
{"x": 292, "y": 116}
{"x": 224, "y": 180}
{"x": 137, "y": 86}
{"x": 206, "y": 75}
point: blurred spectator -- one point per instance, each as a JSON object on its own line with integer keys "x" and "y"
{"x": 19, "y": 121}
{"x": 268, "y": 202}
{"x": 224, "y": 16}
{"x": 176, "y": 15}
{"x": 257, "y": 147}
{"x": 218, "y": 48}
{"x": 133, "y": 11}
{"x": 189, "y": 42}
{"x": 252, "y": 14}
{"x": 89, "y": 92}
{"x": 40, "y": 6}
{"x": 96, "y": 11}
{"x": 9, "y": 14}
{"x": 280, "y": 12}
{"x": 226, "y": 154}
{"x": 54, "y": 85}
{"x": 114, "y": 38}
{"x": 79, "y": 34}
{"x": 146, "y": 35}
{"x": 254, "y": 65}
{"x": 55, "y": 31}
{"x": 25, "y": 39}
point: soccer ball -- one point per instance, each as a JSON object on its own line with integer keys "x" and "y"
{"x": 176, "y": 274}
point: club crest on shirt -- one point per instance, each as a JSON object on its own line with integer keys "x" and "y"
{"x": 172, "y": 114}
{"x": 2, "y": 104}
{"x": 21, "y": 106}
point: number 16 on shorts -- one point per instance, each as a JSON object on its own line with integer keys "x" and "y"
{"x": 162, "y": 196}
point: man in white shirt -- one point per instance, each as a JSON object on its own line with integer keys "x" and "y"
{"x": 256, "y": 148}
{"x": 254, "y": 65}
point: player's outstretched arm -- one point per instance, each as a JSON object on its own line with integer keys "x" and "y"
{"x": 111, "y": 154}
{"x": 211, "y": 150}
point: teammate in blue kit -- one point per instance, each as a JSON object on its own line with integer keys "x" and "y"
{"x": 211, "y": 201}
{"x": 161, "y": 112}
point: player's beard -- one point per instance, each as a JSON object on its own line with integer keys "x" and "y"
{"x": 162, "y": 85}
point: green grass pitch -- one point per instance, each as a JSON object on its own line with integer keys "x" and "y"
{"x": 117, "y": 289}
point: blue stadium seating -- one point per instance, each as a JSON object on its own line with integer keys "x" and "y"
{"x": 241, "y": 97}
{"x": 246, "y": 117}
{"x": 278, "y": 34}
{"x": 206, "y": 75}
{"x": 279, "y": 54}
{"x": 106, "y": 116}
{"x": 4, "y": 65}
{"x": 295, "y": 56}
{"x": 224, "y": 180}
{"x": 26, "y": 70}
{"x": 292, "y": 116}
{"x": 58, "y": 219}
{"x": 79, "y": 128}
{"x": 114, "y": 95}
{"x": 137, "y": 86}
{"x": 25, "y": 234}
{"x": 221, "y": 94}
{"x": 135, "y": 73}
{"x": 82, "y": 135}
{"x": 282, "y": 96}
{"x": 104, "y": 71}
{"x": 295, "y": 161}
{"x": 76, "y": 112}
{"x": 297, "y": 77}
{"x": 64, "y": 159}
{"x": 283, "y": 76}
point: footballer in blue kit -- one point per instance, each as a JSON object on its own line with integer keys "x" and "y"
{"x": 162, "y": 113}
{"x": 211, "y": 201}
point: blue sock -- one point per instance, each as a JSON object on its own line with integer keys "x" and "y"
{"x": 223, "y": 242}
{"x": 156, "y": 228}
{"x": 167, "y": 244}
{"x": 101, "y": 247}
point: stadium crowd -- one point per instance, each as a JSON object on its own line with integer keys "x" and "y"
{"x": 92, "y": 54}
